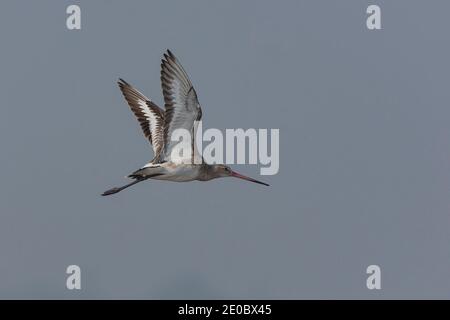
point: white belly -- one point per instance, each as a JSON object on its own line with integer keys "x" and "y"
{"x": 179, "y": 173}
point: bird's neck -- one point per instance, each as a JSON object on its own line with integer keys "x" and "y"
{"x": 206, "y": 172}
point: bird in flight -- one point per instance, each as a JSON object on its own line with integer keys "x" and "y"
{"x": 182, "y": 111}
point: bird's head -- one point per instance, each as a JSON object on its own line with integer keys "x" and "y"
{"x": 221, "y": 171}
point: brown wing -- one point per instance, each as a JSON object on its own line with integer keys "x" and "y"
{"x": 149, "y": 115}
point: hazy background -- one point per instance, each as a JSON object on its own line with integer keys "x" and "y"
{"x": 364, "y": 150}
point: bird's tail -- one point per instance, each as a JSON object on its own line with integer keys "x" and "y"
{"x": 145, "y": 172}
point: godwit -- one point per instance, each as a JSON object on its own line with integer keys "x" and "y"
{"x": 182, "y": 110}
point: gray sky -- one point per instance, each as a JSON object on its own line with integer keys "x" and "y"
{"x": 364, "y": 153}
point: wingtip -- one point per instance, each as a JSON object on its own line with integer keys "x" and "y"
{"x": 169, "y": 56}
{"x": 122, "y": 82}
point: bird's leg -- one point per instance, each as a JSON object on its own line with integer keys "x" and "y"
{"x": 118, "y": 189}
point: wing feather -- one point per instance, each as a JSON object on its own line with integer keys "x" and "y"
{"x": 181, "y": 103}
{"x": 149, "y": 115}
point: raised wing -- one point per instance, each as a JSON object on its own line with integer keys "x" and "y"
{"x": 182, "y": 107}
{"x": 149, "y": 115}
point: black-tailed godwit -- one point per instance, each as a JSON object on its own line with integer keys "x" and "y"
{"x": 182, "y": 110}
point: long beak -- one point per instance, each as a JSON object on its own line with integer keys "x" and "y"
{"x": 240, "y": 176}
